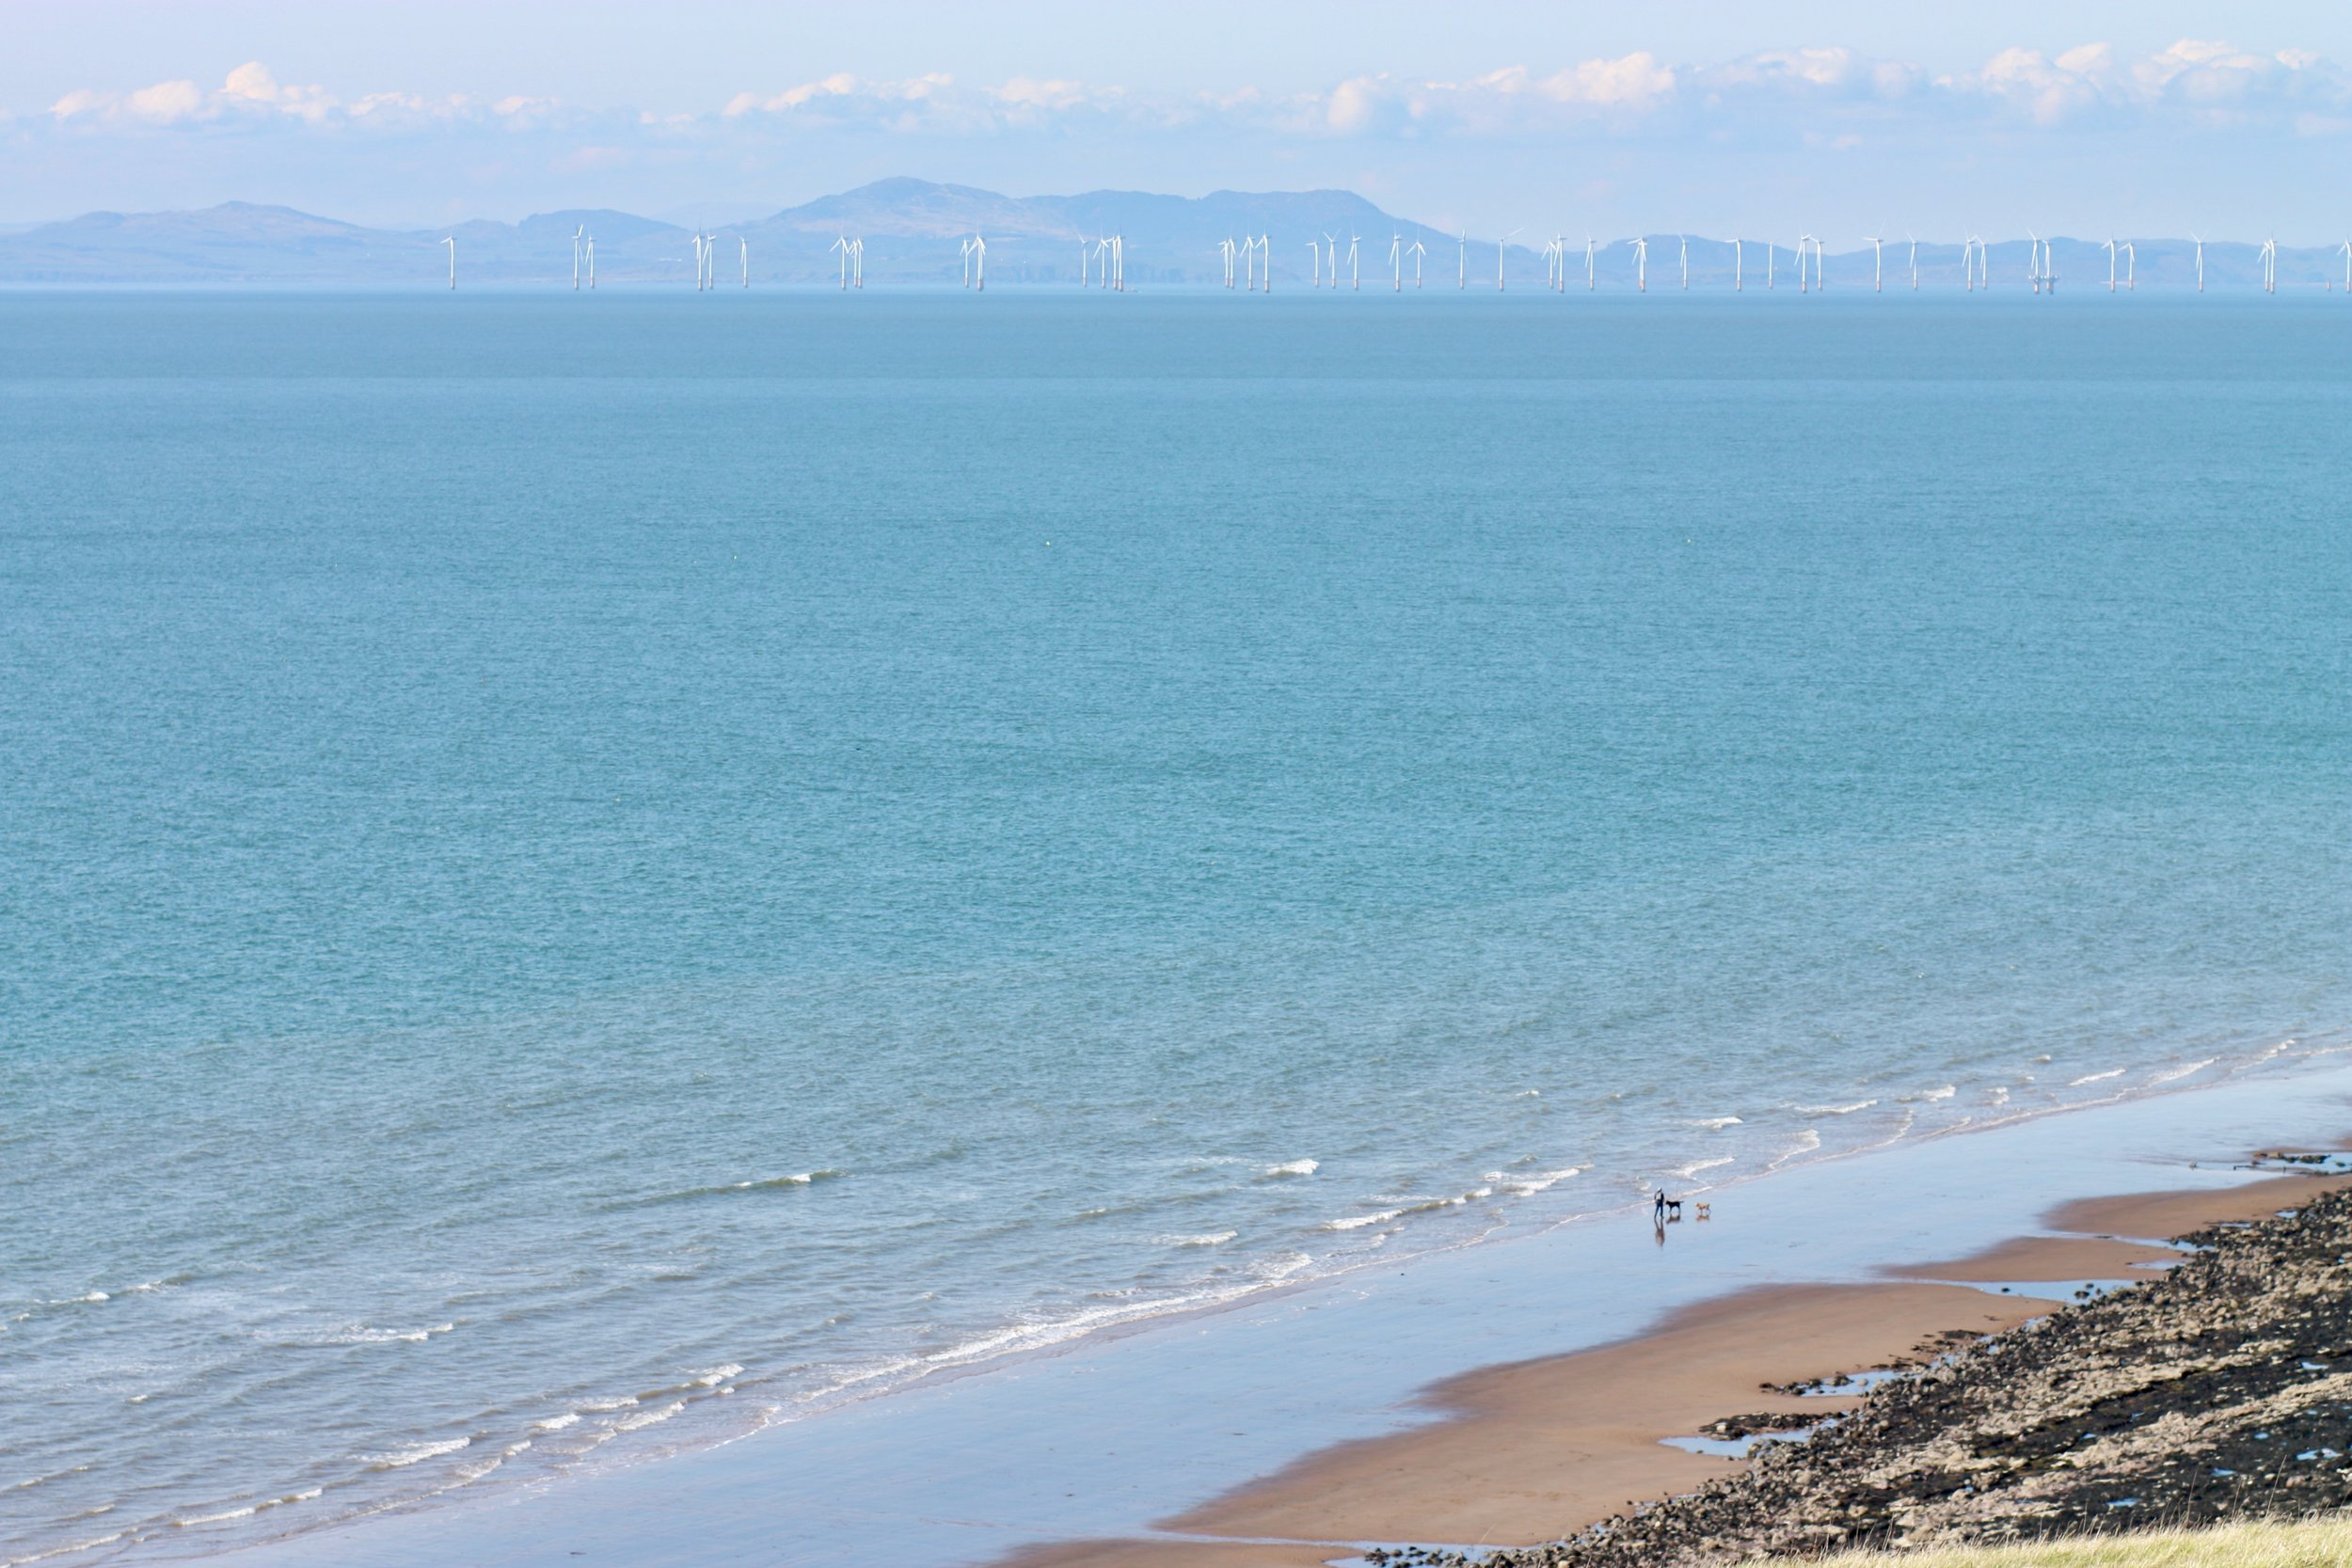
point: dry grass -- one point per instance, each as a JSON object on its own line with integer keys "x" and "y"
{"x": 2324, "y": 1542}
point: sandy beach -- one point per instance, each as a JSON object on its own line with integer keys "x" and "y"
{"x": 1502, "y": 1394}
{"x": 1530, "y": 1452}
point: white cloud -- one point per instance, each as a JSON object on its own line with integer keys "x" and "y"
{"x": 1809, "y": 90}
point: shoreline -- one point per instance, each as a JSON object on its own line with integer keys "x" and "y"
{"x": 1098, "y": 1439}
{"x": 1529, "y": 1452}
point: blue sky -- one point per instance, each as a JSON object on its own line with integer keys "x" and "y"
{"x": 1698, "y": 114}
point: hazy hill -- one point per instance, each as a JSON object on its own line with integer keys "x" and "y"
{"x": 914, "y": 228}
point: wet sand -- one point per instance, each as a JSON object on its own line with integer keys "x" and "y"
{"x": 1529, "y": 1451}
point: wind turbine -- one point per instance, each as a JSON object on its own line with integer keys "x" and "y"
{"x": 1314, "y": 267}
{"x": 1397, "y": 263}
{"x": 841, "y": 244}
{"x": 1461, "y": 262}
{"x": 857, "y": 263}
{"x": 1225, "y": 252}
{"x": 698, "y": 263}
{"x": 1265, "y": 254}
{"x": 1768, "y": 266}
{"x": 1592, "y": 274}
{"x": 1332, "y": 255}
{"x": 747, "y": 258}
{"x": 1355, "y": 274}
{"x": 1739, "y": 266}
{"x": 1500, "y": 245}
{"x": 1551, "y": 265}
{"x": 1641, "y": 264}
{"x": 979, "y": 264}
{"x": 451, "y": 242}
{"x": 2201, "y": 262}
{"x": 2347, "y": 267}
{"x": 2111, "y": 250}
{"x": 1686, "y": 261}
{"x": 578, "y": 234}
{"x": 592, "y": 263}
{"x": 1118, "y": 261}
{"x": 1419, "y": 253}
{"x": 1803, "y": 241}
{"x": 965, "y": 251}
{"x": 2270, "y": 266}
{"x": 1914, "y": 259}
{"x": 2131, "y": 268}
{"x": 1878, "y": 264}
{"x": 2033, "y": 262}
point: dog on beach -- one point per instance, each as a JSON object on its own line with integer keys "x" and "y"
{"x": 1674, "y": 1208}
{"x": 1702, "y": 1211}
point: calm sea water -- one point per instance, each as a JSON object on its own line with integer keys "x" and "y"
{"x": 581, "y": 875}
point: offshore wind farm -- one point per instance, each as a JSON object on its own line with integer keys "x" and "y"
{"x": 907, "y": 233}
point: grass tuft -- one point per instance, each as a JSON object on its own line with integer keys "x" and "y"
{"x": 2324, "y": 1542}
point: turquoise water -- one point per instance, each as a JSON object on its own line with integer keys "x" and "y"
{"x": 596, "y": 874}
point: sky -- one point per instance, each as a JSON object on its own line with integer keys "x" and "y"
{"x": 1714, "y": 117}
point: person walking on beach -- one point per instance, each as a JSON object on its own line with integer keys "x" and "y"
{"x": 1658, "y": 1210}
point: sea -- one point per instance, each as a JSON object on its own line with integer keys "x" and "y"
{"x": 584, "y": 876}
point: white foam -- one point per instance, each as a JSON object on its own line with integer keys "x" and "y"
{"x": 1208, "y": 1238}
{"x": 1686, "y": 1172}
{"x": 647, "y": 1418}
{"x": 557, "y": 1423}
{"x": 2169, "y": 1076}
{"x": 1837, "y": 1110}
{"x": 1716, "y": 1124}
{"x": 2094, "y": 1078}
{"x": 1807, "y": 1142}
{"x": 597, "y": 1406}
{"x": 717, "y": 1375}
{"x": 1528, "y": 1186}
{"x": 1357, "y": 1222}
{"x": 89, "y": 1545}
{"x": 400, "y": 1459}
{"x": 1932, "y": 1095}
{"x": 1296, "y": 1167}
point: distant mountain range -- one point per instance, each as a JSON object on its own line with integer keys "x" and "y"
{"x": 914, "y": 230}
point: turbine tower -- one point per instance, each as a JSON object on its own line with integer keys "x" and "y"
{"x": 1314, "y": 268}
{"x": 1397, "y": 263}
{"x": 2270, "y": 266}
{"x": 451, "y": 242}
{"x": 1641, "y": 264}
{"x": 1914, "y": 259}
{"x": 1419, "y": 253}
{"x": 1461, "y": 260}
{"x": 1591, "y": 272}
{"x": 1685, "y": 240}
{"x": 592, "y": 263}
{"x": 2131, "y": 267}
{"x": 747, "y": 258}
{"x": 841, "y": 244}
{"x": 2201, "y": 262}
{"x": 1501, "y": 246}
{"x": 578, "y": 234}
{"x": 1355, "y": 275}
{"x": 1878, "y": 264}
{"x": 1739, "y": 266}
{"x": 2110, "y": 247}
